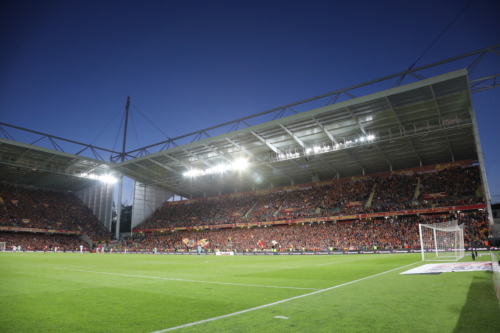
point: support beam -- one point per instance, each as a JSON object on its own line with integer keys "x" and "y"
{"x": 240, "y": 147}
{"x": 296, "y": 138}
{"x": 401, "y": 126}
{"x": 358, "y": 122}
{"x": 278, "y": 170}
{"x": 219, "y": 153}
{"x": 383, "y": 155}
{"x": 271, "y": 146}
{"x": 482, "y": 169}
{"x": 441, "y": 123}
{"x": 328, "y": 164}
{"x": 199, "y": 158}
{"x": 166, "y": 167}
{"x": 355, "y": 160}
{"x": 330, "y": 135}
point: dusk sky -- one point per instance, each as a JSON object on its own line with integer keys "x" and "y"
{"x": 67, "y": 67}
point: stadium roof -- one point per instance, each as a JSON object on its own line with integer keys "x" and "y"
{"x": 422, "y": 123}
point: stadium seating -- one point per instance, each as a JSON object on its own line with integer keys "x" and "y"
{"x": 42, "y": 209}
{"x": 38, "y": 241}
{"x": 455, "y": 186}
{"x": 391, "y": 233}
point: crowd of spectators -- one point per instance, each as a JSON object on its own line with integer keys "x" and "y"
{"x": 455, "y": 182}
{"x": 382, "y": 233}
{"x": 395, "y": 189}
{"x": 41, "y": 242}
{"x": 44, "y": 209}
{"x": 457, "y": 186}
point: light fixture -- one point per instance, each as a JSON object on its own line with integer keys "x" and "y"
{"x": 237, "y": 165}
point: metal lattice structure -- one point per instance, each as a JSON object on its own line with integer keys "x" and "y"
{"x": 425, "y": 122}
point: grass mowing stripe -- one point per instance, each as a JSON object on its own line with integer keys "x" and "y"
{"x": 184, "y": 280}
{"x": 279, "y": 302}
{"x": 343, "y": 262}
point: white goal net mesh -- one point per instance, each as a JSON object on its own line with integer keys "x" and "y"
{"x": 442, "y": 241}
{"x": 2, "y": 246}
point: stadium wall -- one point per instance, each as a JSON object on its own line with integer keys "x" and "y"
{"x": 99, "y": 198}
{"x": 147, "y": 199}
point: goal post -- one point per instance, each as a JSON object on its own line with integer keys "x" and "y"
{"x": 442, "y": 241}
{"x": 2, "y": 246}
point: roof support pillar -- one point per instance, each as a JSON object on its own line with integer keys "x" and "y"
{"x": 482, "y": 169}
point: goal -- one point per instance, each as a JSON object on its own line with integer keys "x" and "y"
{"x": 2, "y": 246}
{"x": 442, "y": 241}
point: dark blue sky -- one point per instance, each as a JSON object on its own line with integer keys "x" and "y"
{"x": 67, "y": 67}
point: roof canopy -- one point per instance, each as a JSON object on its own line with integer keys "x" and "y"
{"x": 422, "y": 123}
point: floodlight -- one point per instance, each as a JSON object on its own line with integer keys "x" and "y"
{"x": 219, "y": 168}
{"x": 240, "y": 164}
{"x": 107, "y": 179}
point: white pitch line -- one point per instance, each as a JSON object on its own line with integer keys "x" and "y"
{"x": 184, "y": 280}
{"x": 278, "y": 302}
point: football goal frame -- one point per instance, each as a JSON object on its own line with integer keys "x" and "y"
{"x": 3, "y": 246}
{"x": 442, "y": 241}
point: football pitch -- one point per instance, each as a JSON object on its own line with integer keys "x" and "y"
{"x": 70, "y": 292}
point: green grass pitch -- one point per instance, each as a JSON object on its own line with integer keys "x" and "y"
{"x": 70, "y": 292}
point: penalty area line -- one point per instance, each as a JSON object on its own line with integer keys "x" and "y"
{"x": 278, "y": 302}
{"x": 184, "y": 280}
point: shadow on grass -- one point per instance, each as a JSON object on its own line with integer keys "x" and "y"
{"x": 481, "y": 312}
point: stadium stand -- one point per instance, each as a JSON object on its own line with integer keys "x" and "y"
{"x": 39, "y": 241}
{"x": 391, "y": 233}
{"x": 448, "y": 187}
{"x": 41, "y": 209}
{"x": 26, "y": 208}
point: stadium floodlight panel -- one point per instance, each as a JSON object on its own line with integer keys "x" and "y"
{"x": 107, "y": 179}
{"x": 237, "y": 165}
{"x": 103, "y": 178}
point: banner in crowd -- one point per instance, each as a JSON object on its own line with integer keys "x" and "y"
{"x": 203, "y": 242}
{"x": 40, "y": 230}
{"x": 434, "y": 196}
{"x": 354, "y": 204}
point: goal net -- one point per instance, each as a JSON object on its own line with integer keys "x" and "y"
{"x": 2, "y": 246}
{"x": 442, "y": 241}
